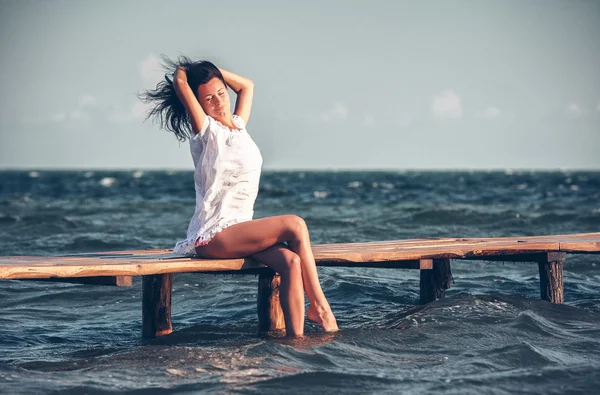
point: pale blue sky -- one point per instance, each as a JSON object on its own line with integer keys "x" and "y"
{"x": 338, "y": 84}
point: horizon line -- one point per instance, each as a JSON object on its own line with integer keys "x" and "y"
{"x": 324, "y": 169}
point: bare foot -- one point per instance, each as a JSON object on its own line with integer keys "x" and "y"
{"x": 323, "y": 317}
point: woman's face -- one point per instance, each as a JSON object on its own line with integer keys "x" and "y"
{"x": 214, "y": 98}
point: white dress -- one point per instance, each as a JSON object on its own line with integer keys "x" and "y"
{"x": 227, "y": 166}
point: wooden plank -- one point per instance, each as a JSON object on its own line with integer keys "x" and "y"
{"x": 590, "y": 243}
{"x": 581, "y": 246}
{"x": 118, "y": 281}
{"x": 358, "y": 253}
{"x": 410, "y": 264}
{"x": 371, "y": 254}
{"x": 542, "y": 256}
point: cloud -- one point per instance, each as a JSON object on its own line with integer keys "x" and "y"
{"x": 368, "y": 120}
{"x": 447, "y": 105}
{"x": 337, "y": 113}
{"x": 135, "y": 113}
{"x": 490, "y": 112}
{"x": 574, "y": 110}
{"x": 87, "y": 101}
{"x": 598, "y": 107}
{"x": 89, "y": 107}
{"x": 77, "y": 115}
{"x": 151, "y": 70}
{"x": 57, "y": 117}
{"x": 80, "y": 113}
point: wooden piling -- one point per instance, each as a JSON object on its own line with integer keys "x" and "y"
{"x": 270, "y": 315}
{"x": 551, "y": 277}
{"x": 435, "y": 281}
{"x": 156, "y": 305}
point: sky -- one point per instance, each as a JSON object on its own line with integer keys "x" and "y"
{"x": 339, "y": 85}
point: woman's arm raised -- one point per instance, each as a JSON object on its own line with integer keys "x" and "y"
{"x": 244, "y": 89}
{"x": 188, "y": 98}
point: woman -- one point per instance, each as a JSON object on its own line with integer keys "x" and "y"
{"x": 195, "y": 106}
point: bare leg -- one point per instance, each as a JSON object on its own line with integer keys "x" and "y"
{"x": 248, "y": 238}
{"x": 287, "y": 263}
{"x": 319, "y": 310}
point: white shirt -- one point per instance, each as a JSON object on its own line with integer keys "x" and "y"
{"x": 227, "y": 166}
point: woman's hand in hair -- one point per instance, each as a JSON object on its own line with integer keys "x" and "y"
{"x": 180, "y": 75}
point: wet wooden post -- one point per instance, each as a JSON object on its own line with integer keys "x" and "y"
{"x": 436, "y": 276}
{"x": 270, "y": 315}
{"x": 156, "y": 305}
{"x": 551, "y": 276}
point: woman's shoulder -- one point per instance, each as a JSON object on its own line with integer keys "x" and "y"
{"x": 213, "y": 126}
{"x": 207, "y": 125}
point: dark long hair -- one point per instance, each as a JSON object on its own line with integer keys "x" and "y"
{"x": 166, "y": 109}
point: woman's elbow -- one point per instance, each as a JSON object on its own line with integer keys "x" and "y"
{"x": 248, "y": 84}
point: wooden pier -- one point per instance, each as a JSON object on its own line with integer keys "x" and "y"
{"x": 431, "y": 256}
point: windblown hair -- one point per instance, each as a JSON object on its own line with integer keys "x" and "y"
{"x": 166, "y": 109}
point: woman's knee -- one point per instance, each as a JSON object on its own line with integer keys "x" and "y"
{"x": 296, "y": 225}
{"x": 292, "y": 265}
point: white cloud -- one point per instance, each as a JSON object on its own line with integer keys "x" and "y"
{"x": 151, "y": 70}
{"x": 447, "y": 105}
{"x": 57, "y": 117}
{"x": 368, "y": 120}
{"x": 78, "y": 114}
{"x": 118, "y": 115}
{"x": 574, "y": 110}
{"x": 490, "y": 112}
{"x": 87, "y": 101}
{"x": 136, "y": 112}
{"x": 337, "y": 113}
{"x": 88, "y": 106}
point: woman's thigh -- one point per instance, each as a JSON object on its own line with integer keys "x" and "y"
{"x": 248, "y": 238}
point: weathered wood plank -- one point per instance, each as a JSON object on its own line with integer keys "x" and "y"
{"x": 118, "y": 281}
{"x": 546, "y": 256}
{"x": 370, "y": 254}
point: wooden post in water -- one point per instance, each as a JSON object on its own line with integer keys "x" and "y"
{"x": 435, "y": 280}
{"x": 270, "y": 315}
{"x": 156, "y": 305}
{"x": 551, "y": 277}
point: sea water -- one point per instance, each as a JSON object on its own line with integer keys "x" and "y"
{"x": 491, "y": 334}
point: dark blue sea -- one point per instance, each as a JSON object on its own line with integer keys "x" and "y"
{"x": 490, "y": 335}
